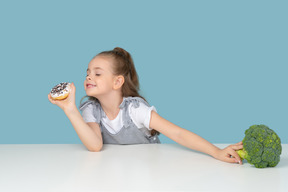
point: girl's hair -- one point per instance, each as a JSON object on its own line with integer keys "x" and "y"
{"x": 123, "y": 65}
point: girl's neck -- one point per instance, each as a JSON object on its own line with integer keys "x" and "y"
{"x": 110, "y": 105}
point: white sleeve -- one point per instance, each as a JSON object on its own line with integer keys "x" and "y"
{"x": 141, "y": 115}
{"x": 87, "y": 114}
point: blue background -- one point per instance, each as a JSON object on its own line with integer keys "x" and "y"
{"x": 212, "y": 67}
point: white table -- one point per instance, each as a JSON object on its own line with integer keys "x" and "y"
{"x": 152, "y": 167}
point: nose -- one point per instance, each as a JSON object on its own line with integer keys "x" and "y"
{"x": 88, "y": 77}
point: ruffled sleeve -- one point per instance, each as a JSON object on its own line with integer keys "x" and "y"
{"x": 141, "y": 115}
{"x": 91, "y": 111}
{"x": 140, "y": 108}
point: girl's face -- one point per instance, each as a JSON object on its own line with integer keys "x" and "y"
{"x": 99, "y": 79}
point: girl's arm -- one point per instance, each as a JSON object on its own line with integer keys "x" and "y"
{"x": 194, "y": 141}
{"x": 89, "y": 133}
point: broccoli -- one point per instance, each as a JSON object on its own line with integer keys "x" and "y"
{"x": 261, "y": 147}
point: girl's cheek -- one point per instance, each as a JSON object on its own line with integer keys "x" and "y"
{"x": 84, "y": 84}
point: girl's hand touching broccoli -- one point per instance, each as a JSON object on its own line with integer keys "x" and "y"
{"x": 229, "y": 153}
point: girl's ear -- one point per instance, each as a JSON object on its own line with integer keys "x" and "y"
{"x": 119, "y": 81}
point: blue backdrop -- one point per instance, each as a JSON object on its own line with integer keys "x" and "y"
{"x": 212, "y": 67}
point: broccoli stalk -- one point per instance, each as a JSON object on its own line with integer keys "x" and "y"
{"x": 242, "y": 154}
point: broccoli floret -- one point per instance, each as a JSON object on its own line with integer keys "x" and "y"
{"x": 261, "y": 147}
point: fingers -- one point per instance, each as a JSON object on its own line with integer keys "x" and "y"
{"x": 72, "y": 93}
{"x": 231, "y": 160}
{"x": 235, "y": 157}
{"x": 230, "y": 155}
{"x": 236, "y": 147}
{"x": 233, "y": 154}
{"x": 240, "y": 143}
{"x": 73, "y": 88}
{"x": 50, "y": 99}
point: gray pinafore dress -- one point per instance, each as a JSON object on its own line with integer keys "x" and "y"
{"x": 129, "y": 133}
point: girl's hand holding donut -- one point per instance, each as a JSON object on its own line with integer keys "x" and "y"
{"x": 63, "y": 95}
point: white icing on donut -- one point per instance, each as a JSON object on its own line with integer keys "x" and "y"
{"x": 60, "y": 90}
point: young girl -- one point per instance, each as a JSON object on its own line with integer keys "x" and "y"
{"x": 115, "y": 113}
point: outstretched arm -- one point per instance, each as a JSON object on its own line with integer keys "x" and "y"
{"x": 194, "y": 141}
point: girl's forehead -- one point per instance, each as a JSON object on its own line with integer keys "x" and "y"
{"x": 100, "y": 61}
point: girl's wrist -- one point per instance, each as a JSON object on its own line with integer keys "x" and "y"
{"x": 70, "y": 109}
{"x": 215, "y": 153}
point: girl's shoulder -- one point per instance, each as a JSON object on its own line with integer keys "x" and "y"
{"x": 92, "y": 108}
{"x": 134, "y": 101}
{"x": 126, "y": 103}
{"x": 89, "y": 103}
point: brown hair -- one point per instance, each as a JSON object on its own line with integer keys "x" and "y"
{"x": 123, "y": 65}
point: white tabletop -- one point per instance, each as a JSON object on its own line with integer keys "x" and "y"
{"x": 152, "y": 167}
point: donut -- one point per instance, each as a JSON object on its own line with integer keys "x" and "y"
{"x": 60, "y": 91}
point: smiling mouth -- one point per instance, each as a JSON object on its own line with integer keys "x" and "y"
{"x": 90, "y": 86}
